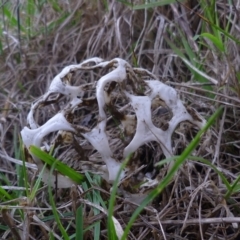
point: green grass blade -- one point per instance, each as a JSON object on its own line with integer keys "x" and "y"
{"x": 225, "y": 33}
{"x": 233, "y": 189}
{"x": 216, "y": 41}
{"x": 212, "y": 20}
{"x": 30, "y": 14}
{"x": 155, "y": 4}
{"x": 200, "y": 159}
{"x": 24, "y": 171}
{"x": 205, "y": 161}
{"x": 55, "y": 6}
{"x": 21, "y": 170}
{"x": 96, "y": 181}
{"x": 37, "y": 184}
{"x": 51, "y": 236}
{"x": 236, "y": 189}
{"x": 195, "y": 61}
{"x": 111, "y": 227}
{"x": 129, "y": 4}
{"x": 88, "y": 228}
{"x": 54, "y": 209}
{"x": 4, "y": 180}
{"x": 4, "y": 194}
{"x": 191, "y": 67}
{"x": 191, "y": 55}
{"x": 61, "y": 167}
{"x": 11, "y": 19}
{"x": 4, "y": 228}
{"x": 79, "y": 224}
{"x": 96, "y": 199}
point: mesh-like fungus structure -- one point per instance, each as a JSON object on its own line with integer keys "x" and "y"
{"x": 106, "y": 120}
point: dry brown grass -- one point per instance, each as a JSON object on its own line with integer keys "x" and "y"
{"x": 193, "y": 205}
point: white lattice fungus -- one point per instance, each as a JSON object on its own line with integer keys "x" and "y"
{"x": 146, "y": 131}
{"x": 98, "y": 138}
{"x": 58, "y": 85}
{"x": 35, "y": 137}
{"x": 137, "y": 121}
{"x": 117, "y": 75}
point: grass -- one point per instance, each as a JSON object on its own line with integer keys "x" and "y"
{"x": 59, "y": 166}
{"x": 193, "y": 46}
